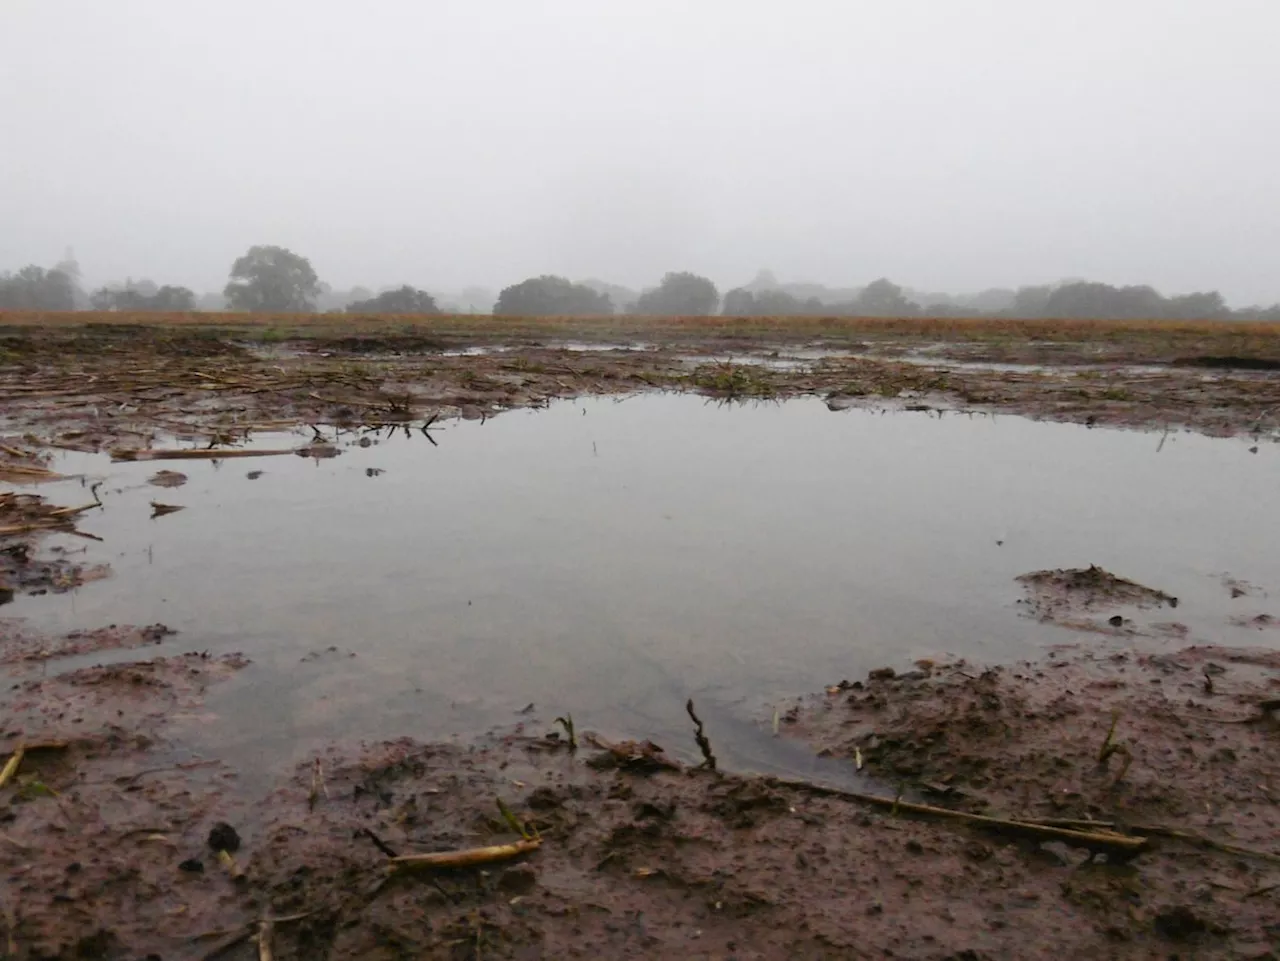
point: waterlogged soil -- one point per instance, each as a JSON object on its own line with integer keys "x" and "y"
{"x": 119, "y": 840}
{"x": 119, "y": 386}
{"x": 113, "y": 838}
{"x": 1076, "y": 597}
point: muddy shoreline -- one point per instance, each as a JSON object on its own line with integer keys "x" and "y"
{"x": 107, "y": 386}
{"x": 111, "y": 838}
{"x": 1152, "y": 763}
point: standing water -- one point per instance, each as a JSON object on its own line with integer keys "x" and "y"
{"x": 612, "y": 557}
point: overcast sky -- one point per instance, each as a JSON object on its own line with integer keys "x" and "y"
{"x": 949, "y": 144}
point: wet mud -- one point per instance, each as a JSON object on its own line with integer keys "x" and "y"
{"x": 1118, "y": 798}
{"x": 1074, "y": 597}
{"x": 115, "y": 845}
{"x": 122, "y": 387}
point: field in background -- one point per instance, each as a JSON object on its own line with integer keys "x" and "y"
{"x": 1117, "y": 339}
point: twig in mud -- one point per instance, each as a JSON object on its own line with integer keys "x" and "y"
{"x": 15, "y": 844}
{"x": 1115, "y": 846}
{"x": 199, "y": 454}
{"x": 1124, "y": 767}
{"x": 378, "y": 843}
{"x": 232, "y": 938}
{"x": 704, "y": 745}
{"x": 317, "y": 786}
{"x": 566, "y": 722}
{"x": 1109, "y": 746}
{"x": 227, "y": 861}
{"x": 1082, "y": 824}
{"x": 11, "y": 766}
{"x": 226, "y": 944}
{"x": 31, "y": 747}
{"x": 264, "y": 940}
{"x": 1201, "y": 841}
{"x": 513, "y": 822}
{"x": 465, "y": 858}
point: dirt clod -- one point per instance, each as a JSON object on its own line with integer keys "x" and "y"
{"x": 223, "y": 837}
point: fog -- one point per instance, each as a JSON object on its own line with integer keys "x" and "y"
{"x": 949, "y": 144}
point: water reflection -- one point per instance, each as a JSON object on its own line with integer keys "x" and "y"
{"x": 612, "y": 558}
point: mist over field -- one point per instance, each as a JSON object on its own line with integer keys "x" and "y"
{"x": 794, "y": 154}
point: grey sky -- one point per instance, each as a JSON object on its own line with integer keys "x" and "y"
{"x": 950, "y": 144}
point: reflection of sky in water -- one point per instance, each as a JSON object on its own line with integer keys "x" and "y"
{"x": 611, "y": 558}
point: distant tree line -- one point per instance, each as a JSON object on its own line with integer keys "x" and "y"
{"x": 136, "y": 295}
{"x": 272, "y": 279}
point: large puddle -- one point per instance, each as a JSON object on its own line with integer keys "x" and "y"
{"x": 612, "y": 557}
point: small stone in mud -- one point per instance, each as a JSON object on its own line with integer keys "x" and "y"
{"x": 223, "y": 837}
{"x": 1115, "y": 620}
{"x": 882, "y": 674}
{"x": 373, "y": 471}
{"x": 192, "y": 866}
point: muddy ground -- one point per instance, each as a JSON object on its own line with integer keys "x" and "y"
{"x": 110, "y": 834}
{"x": 111, "y": 385}
{"x": 1151, "y": 769}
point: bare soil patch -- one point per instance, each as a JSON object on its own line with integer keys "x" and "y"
{"x": 21, "y": 646}
{"x": 99, "y": 382}
{"x": 1068, "y": 595}
{"x": 619, "y": 850}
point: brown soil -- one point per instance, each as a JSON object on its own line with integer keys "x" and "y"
{"x": 107, "y": 384}
{"x": 1069, "y": 596}
{"x": 22, "y": 646}
{"x": 642, "y": 857}
{"x": 54, "y": 571}
{"x": 1191, "y": 751}
{"x": 105, "y": 828}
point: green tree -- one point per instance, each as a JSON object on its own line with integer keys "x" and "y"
{"x": 883, "y": 298}
{"x": 143, "y": 295}
{"x": 741, "y": 302}
{"x": 402, "y": 300}
{"x": 680, "y": 295}
{"x": 1202, "y": 305}
{"x": 34, "y": 288}
{"x": 272, "y": 280}
{"x": 1031, "y": 301}
{"x": 549, "y": 296}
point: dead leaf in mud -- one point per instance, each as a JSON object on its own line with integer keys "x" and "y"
{"x": 159, "y": 510}
{"x": 254, "y": 474}
{"x": 167, "y": 478}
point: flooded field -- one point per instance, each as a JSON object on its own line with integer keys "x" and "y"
{"x": 831, "y": 640}
{"x": 614, "y": 556}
